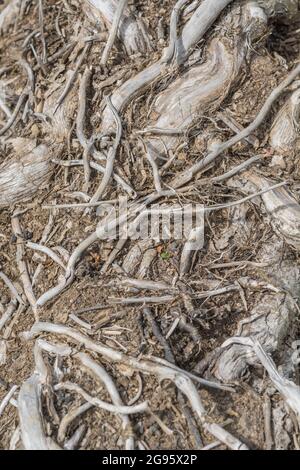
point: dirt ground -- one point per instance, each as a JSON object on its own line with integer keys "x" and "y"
{"x": 207, "y": 322}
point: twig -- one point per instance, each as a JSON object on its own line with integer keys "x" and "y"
{"x": 7, "y": 398}
{"x": 82, "y": 98}
{"x": 72, "y": 78}
{"x": 113, "y": 254}
{"x": 142, "y": 300}
{"x": 48, "y": 228}
{"x": 80, "y": 322}
{"x": 145, "y": 284}
{"x": 93, "y": 308}
{"x": 41, "y": 20}
{"x": 8, "y": 313}
{"x": 161, "y": 131}
{"x": 155, "y": 170}
{"x": 139, "y": 392}
{"x": 111, "y": 154}
{"x": 114, "y": 30}
{"x": 11, "y": 287}
{"x": 267, "y": 409}
{"x": 22, "y": 98}
{"x": 96, "y": 166}
{"x": 200, "y": 380}
{"x": 234, "y": 171}
{"x": 67, "y": 48}
{"x": 232, "y": 264}
{"x": 245, "y": 199}
{"x": 22, "y": 265}
{"x": 156, "y": 330}
{"x": 215, "y": 292}
{"x": 173, "y": 327}
{"x": 235, "y": 127}
{"x": 79, "y": 205}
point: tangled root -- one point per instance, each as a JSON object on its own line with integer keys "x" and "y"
{"x": 205, "y": 86}
{"x": 132, "y": 31}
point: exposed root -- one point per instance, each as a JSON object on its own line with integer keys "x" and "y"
{"x": 233, "y": 273}
{"x": 131, "y": 31}
{"x": 114, "y": 30}
{"x": 22, "y": 264}
{"x": 288, "y": 389}
{"x": 187, "y": 175}
{"x": 69, "y": 418}
{"x": 285, "y": 128}
{"x": 72, "y": 387}
{"x": 193, "y": 31}
{"x": 9, "y": 14}
{"x": 205, "y": 86}
{"x": 59, "y": 117}
{"x": 270, "y": 318}
{"x": 280, "y": 205}
{"x": 184, "y": 383}
{"x": 101, "y": 375}
{"x": 7, "y": 398}
{"x": 22, "y": 178}
{"x": 30, "y": 415}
